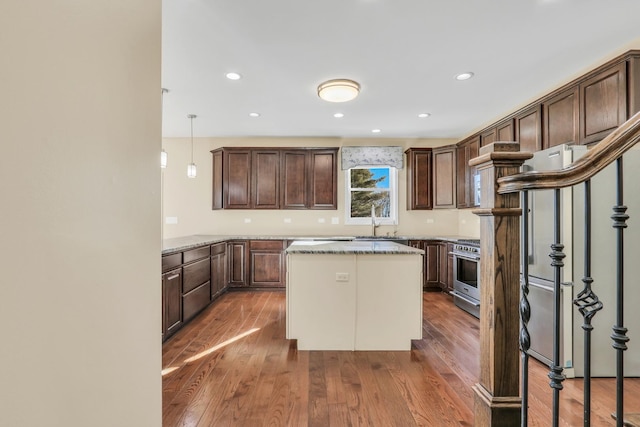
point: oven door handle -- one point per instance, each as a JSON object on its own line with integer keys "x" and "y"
{"x": 467, "y": 257}
{"x": 462, "y": 297}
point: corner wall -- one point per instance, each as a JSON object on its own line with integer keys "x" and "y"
{"x": 79, "y": 179}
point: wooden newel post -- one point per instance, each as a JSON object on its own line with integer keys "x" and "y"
{"x": 497, "y": 395}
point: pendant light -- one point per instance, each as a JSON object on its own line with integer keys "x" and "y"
{"x": 163, "y": 154}
{"x": 191, "y": 168}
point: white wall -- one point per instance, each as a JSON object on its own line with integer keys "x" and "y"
{"x": 80, "y": 190}
{"x": 189, "y": 200}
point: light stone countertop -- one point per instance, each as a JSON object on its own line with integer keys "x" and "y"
{"x": 178, "y": 244}
{"x": 351, "y": 247}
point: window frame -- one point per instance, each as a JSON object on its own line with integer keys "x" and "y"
{"x": 393, "y": 198}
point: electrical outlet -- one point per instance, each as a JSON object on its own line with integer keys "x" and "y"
{"x": 171, "y": 220}
{"x": 430, "y": 221}
{"x": 335, "y": 220}
{"x": 342, "y": 277}
{"x": 321, "y": 220}
{"x": 287, "y": 220}
{"x": 247, "y": 220}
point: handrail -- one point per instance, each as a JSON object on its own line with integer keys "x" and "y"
{"x": 604, "y": 153}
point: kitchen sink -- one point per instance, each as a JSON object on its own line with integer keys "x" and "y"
{"x": 399, "y": 240}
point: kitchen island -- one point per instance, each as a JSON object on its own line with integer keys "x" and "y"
{"x": 358, "y": 295}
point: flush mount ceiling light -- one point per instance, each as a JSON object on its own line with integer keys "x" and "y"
{"x": 464, "y": 76}
{"x": 424, "y": 115}
{"x": 338, "y": 90}
{"x": 338, "y": 115}
{"x": 375, "y": 131}
{"x": 233, "y": 76}
{"x": 191, "y": 167}
{"x": 254, "y": 114}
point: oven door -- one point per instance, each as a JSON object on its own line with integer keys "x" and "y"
{"x": 466, "y": 273}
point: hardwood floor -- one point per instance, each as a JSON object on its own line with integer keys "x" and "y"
{"x": 232, "y": 366}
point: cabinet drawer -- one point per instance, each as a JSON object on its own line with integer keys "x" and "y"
{"x": 195, "y": 300}
{"x": 218, "y": 248}
{"x": 275, "y": 245}
{"x": 195, "y": 254}
{"x": 194, "y": 275}
{"x": 172, "y": 261}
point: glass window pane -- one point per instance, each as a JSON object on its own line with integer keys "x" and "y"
{"x": 370, "y": 178}
{"x": 361, "y": 202}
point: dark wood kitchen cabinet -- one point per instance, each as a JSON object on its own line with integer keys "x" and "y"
{"x": 529, "y": 129}
{"x": 309, "y": 178}
{"x": 265, "y": 176}
{"x": 430, "y": 268}
{"x": 444, "y": 177}
{"x": 560, "y": 118}
{"x": 465, "y": 174}
{"x": 603, "y": 103}
{"x": 218, "y": 269}
{"x": 237, "y": 253}
{"x": 171, "y": 301}
{"x": 274, "y": 178}
{"x": 196, "y": 281}
{"x": 445, "y": 266}
{"x": 266, "y": 263}
{"x": 419, "y": 170}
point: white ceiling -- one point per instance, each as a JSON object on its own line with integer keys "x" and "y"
{"x": 404, "y": 53}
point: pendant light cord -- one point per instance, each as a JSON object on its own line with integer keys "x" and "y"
{"x": 192, "y": 116}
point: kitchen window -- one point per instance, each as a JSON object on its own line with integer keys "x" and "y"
{"x": 368, "y": 186}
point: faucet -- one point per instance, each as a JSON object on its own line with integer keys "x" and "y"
{"x": 373, "y": 221}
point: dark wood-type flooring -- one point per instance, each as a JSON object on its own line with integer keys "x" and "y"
{"x": 232, "y": 366}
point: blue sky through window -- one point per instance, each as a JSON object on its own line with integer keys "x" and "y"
{"x": 379, "y": 173}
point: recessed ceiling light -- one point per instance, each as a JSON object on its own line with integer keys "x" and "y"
{"x": 338, "y": 115}
{"x": 233, "y": 76}
{"x": 254, "y": 114}
{"x": 375, "y": 131}
{"x": 464, "y": 76}
{"x": 423, "y": 115}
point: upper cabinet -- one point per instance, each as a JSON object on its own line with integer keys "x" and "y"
{"x": 528, "y": 127}
{"x": 466, "y": 150}
{"x": 419, "y": 188}
{"x": 583, "y": 111}
{"x": 275, "y": 178}
{"x": 603, "y": 103}
{"x": 444, "y": 177}
{"x": 560, "y": 118}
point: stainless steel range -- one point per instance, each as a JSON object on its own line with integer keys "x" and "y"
{"x": 466, "y": 276}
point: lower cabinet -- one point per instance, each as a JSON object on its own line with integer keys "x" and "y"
{"x": 237, "y": 253}
{"x": 430, "y": 269}
{"x": 218, "y": 269}
{"x": 171, "y": 302}
{"x": 266, "y": 260}
{"x": 445, "y": 267}
{"x": 195, "y": 300}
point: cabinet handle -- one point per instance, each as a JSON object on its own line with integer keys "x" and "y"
{"x": 173, "y": 277}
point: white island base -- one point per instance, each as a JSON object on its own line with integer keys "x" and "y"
{"x": 354, "y": 301}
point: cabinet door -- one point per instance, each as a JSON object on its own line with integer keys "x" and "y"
{"x": 266, "y": 263}
{"x": 217, "y": 199}
{"x": 218, "y": 269}
{"x": 237, "y": 252}
{"x": 294, "y": 186}
{"x": 603, "y": 103}
{"x": 322, "y": 179}
{"x": 488, "y": 137}
{"x": 472, "y": 152}
{"x": 444, "y": 178}
{"x": 419, "y": 189}
{"x": 237, "y": 179}
{"x": 171, "y": 302}
{"x": 443, "y": 266}
{"x": 529, "y": 129}
{"x": 265, "y": 175}
{"x": 462, "y": 156}
{"x": 505, "y": 131}
{"x": 560, "y": 118}
{"x": 432, "y": 280}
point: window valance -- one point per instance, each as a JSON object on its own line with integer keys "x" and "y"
{"x": 372, "y": 156}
